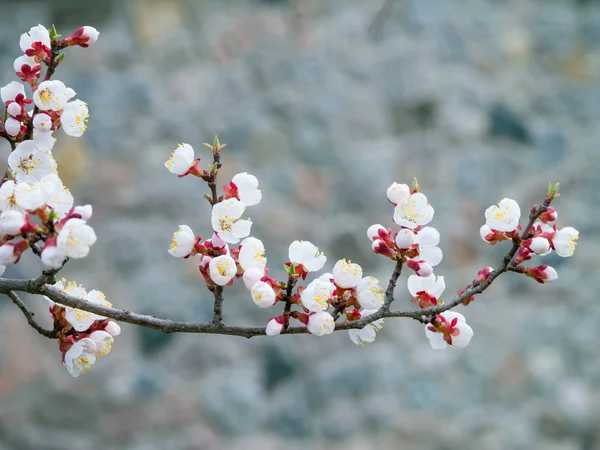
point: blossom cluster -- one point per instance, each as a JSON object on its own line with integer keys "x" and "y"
{"x": 37, "y": 209}
{"x": 83, "y": 337}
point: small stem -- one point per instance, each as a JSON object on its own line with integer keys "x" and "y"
{"x": 389, "y": 292}
{"x": 51, "y": 334}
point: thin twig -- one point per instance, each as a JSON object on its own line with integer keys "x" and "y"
{"x": 51, "y": 334}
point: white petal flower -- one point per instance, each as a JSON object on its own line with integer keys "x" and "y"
{"x": 11, "y": 222}
{"x": 305, "y": 253}
{"x": 24, "y": 60}
{"x": 252, "y": 254}
{"x": 396, "y": 193}
{"x": 540, "y": 246}
{"x": 252, "y": 276}
{"x": 61, "y": 201}
{"x": 82, "y": 320}
{"x": 405, "y": 239}
{"x": 432, "y": 285}
{"x": 76, "y": 238}
{"x": 84, "y": 211}
{"x": 274, "y": 326}
{"x": 247, "y": 186}
{"x": 33, "y": 196}
{"x": 112, "y": 328}
{"x": 565, "y": 241}
{"x": 225, "y": 220}
{"x": 52, "y": 95}
{"x": 53, "y": 257}
{"x": 74, "y": 118}
{"x": 183, "y": 242}
{"x": 316, "y": 296}
{"x": 38, "y": 34}
{"x": 373, "y": 231}
{"x": 30, "y": 162}
{"x": 370, "y": 293}
{"x": 347, "y": 274}
{"x": 504, "y": 216}
{"x": 413, "y": 212}
{"x": 80, "y": 358}
{"x": 428, "y": 238}
{"x": 263, "y": 294}
{"x": 42, "y": 122}
{"x": 367, "y": 334}
{"x": 7, "y": 255}
{"x": 453, "y": 331}
{"x": 320, "y": 323}
{"x": 222, "y": 269}
{"x": 12, "y": 126}
{"x": 181, "y": 160}
{"x": 11, "y": 91}
{"x": 7, "y": 196}
{"x": 103, "y": 341}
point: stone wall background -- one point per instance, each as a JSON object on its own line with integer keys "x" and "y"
{"x": 327, "y": 102}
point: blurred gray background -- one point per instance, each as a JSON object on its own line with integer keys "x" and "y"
{"x": 327, "y": 102}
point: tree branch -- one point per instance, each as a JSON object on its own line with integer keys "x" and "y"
{"x": 41, "y": 286}
{"x": 51, "y": 334}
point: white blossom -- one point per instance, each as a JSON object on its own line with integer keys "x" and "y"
{"x": 396, "y": 193}
{"x": 181, "y": 160}
{"x": 61, "y": 200}
{"x": 565, "y": 241}
{"x": 7, "y": 255}
{"x": 76, "y": 238}
{"x": 347, "y": 274}
{"x": 10, "y": 92}
{"x": 222, "y": 269}
{"x": 52, "y": 95}
{"x": 263, "y": 294}
{"x": 305, "y": 253}
{"x": 320, "y": 323}
{"x": 11, "y": 222}
{"x": 24, "y": 60}
{"x": 225, "y": 220}
{"x": 368, "y": 333}
{"x": 80, "y": 358}
{"x": 103, "y": 341}
{"x": 53, "y": 257}
{"x": 251, "y": 254}
{"x": 7, "y": 196}
{"x": 84, "y": 211}
{"x": 112, "y": 328}
{"x": 42, "y": 122}
{"x": 432, "y": 286}
{"x": 12, "y": 126}
{"x": 89, "y": 35}
{"x": 33, "y": 196}
{"x": 456, "y": 331}
{"x": 39, "y": 33}
{"x": 540, "y": 246}
{"x": 247, "y": 186}
{"x": 252, "y": 276}
{"x": 405, "y": 239}
{"x": 183, "y": 242}
{"x": 373, "y": 231}
{"x": 274, "y": 326}
{"x": 30, "y": 162}
{"x": 82, "y": 320}
{"x": 427, "y": 239}
{"x": 413, "y": 212}
{"x": 370, "y": 293}
{"x": 74, "y": 118}
{"x": 316, "y": 296}
{"x": 504, "y": 216}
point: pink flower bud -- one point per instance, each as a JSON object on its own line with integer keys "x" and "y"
{"x": 275, "y": 326}
{"x": 523, "y": 255}
{"x": 83, "y": 36}
{"x": 381, "y": 248}
{"x": 549, "y": 216}
{"x": 421, "y": 268}
{"x": 539, "y": 245}
{"x": 542, "y": 274}
{"x": 484, "y": 274}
